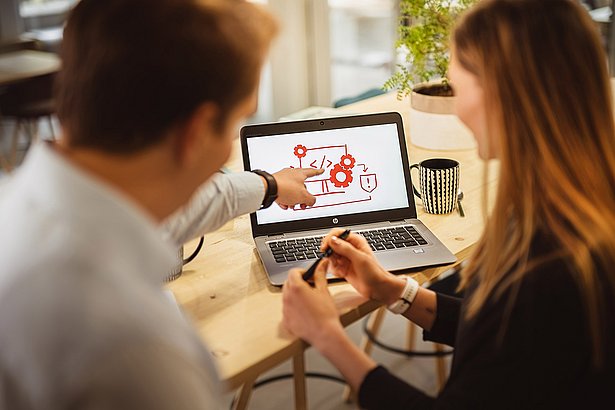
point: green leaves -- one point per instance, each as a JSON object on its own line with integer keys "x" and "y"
{"x": 424, "y": 35}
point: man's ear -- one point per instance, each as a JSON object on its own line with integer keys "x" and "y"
{"x": 197, "y": 130}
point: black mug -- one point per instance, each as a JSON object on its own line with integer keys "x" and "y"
{"x": 438, "y": 183}
{"x": 181, "y": 261}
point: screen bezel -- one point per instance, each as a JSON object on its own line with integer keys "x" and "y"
{"x": 354, "y": 121}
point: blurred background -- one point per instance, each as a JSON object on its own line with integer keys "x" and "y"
{"x": 329, "y": 53}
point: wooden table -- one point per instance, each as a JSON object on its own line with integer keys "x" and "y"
{"x": 238, "y": 314}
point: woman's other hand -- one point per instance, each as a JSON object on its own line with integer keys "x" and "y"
{"x": 310, "y": 312}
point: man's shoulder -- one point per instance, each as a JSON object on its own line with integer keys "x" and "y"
{"x": 83, "y": 333}
{"x": 36, "y": 240}
{"x": 68, "y": 312}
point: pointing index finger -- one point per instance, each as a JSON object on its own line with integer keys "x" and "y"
{"x": 311, "y": 172}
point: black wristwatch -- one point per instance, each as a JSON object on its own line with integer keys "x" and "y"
{"x": 272, "y": 188}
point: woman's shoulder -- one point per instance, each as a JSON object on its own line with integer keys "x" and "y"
{"x": 552, "y": 270}
{"x": 554, "y": 291}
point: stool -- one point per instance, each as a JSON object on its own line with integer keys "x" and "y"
{"x": 26, "y": 103}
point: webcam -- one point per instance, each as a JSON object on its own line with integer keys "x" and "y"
{"x": 322, "y": 123}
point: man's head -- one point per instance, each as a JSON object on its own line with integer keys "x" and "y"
{"x": 135, "y": 71}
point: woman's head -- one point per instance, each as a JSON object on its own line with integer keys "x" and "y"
{"x": 533, "y": 60}
{"x": 538, "y": 72}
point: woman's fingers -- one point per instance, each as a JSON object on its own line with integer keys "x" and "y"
{"x": 325, "y": 241}
{"x": 308, "y": 310}
{"x": 339, "y": 265}
{"x": 345, "y": 249}
{"x": 293, "y": 285}
{"x": 291, "y": 298}
{"x": 356, "y": 240}
{"x": 320, "y": 276}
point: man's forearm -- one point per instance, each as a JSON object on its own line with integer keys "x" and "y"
{"x": 219, "y": 200}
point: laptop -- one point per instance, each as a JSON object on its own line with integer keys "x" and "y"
{"x": 366, "y": 187}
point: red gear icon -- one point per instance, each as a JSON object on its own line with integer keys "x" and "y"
{"x": 300, "y": 151}
{"x": 347, "y": 161}
{"x": 345, "y": 174}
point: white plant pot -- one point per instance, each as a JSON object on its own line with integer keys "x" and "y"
{"x": 434, "y": 125}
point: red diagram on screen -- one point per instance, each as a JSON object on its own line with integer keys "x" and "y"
{"x": 341, "y": 176}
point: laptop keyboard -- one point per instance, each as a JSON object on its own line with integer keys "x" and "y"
{"x": 380, "y": 239}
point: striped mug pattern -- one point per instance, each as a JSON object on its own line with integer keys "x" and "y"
{"x": 438, "y": 183}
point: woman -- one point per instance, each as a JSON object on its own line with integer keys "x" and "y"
{"x": 537, "y": 326}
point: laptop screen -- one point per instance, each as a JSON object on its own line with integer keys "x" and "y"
{"x": 364, "y": 160}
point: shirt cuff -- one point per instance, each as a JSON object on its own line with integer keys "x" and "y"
{"x": 249, "y": 189}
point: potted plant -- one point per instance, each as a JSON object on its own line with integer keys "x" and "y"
{"x": 424, "y": 33}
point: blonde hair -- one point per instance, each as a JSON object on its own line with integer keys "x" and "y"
{"x": 545, "y": 81}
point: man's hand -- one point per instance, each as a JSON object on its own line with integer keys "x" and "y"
{"x": 291, "y": 187}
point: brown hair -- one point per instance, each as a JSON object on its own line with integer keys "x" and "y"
{"x": 134, "y": 69}
{"x": 545, "y": 81}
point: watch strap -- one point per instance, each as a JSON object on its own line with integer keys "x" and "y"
{"x": 407, "y": 297}
{"x": 271, "y": 193}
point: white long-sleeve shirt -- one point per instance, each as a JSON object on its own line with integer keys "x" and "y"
{"x": 222, "y": 198}
{"x": 83, "y": 319}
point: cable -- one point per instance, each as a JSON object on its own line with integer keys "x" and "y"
{"x": 283, "y": 376}
{"x": 410, "y": 353}
{"x": 196, "y": 251}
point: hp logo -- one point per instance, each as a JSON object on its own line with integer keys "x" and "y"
{"x": 335, "y": 221}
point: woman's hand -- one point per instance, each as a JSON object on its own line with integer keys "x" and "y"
{"x": 354, "y": 261}
{"x": 310, "y": 312}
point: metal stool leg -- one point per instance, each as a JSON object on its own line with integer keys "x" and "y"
{"x": 32, "y": 131}
{"x": 13, "y": 152}
{"x": 53, "y": 134}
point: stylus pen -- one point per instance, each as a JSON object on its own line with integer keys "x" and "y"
{"x": 310, "y": 272}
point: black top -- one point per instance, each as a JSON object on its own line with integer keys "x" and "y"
{"x": 538, "y": 358}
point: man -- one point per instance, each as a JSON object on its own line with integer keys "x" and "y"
{"x": 149, "y": 97}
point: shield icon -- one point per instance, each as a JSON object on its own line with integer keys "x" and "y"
{"x": 368, "y": 182}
